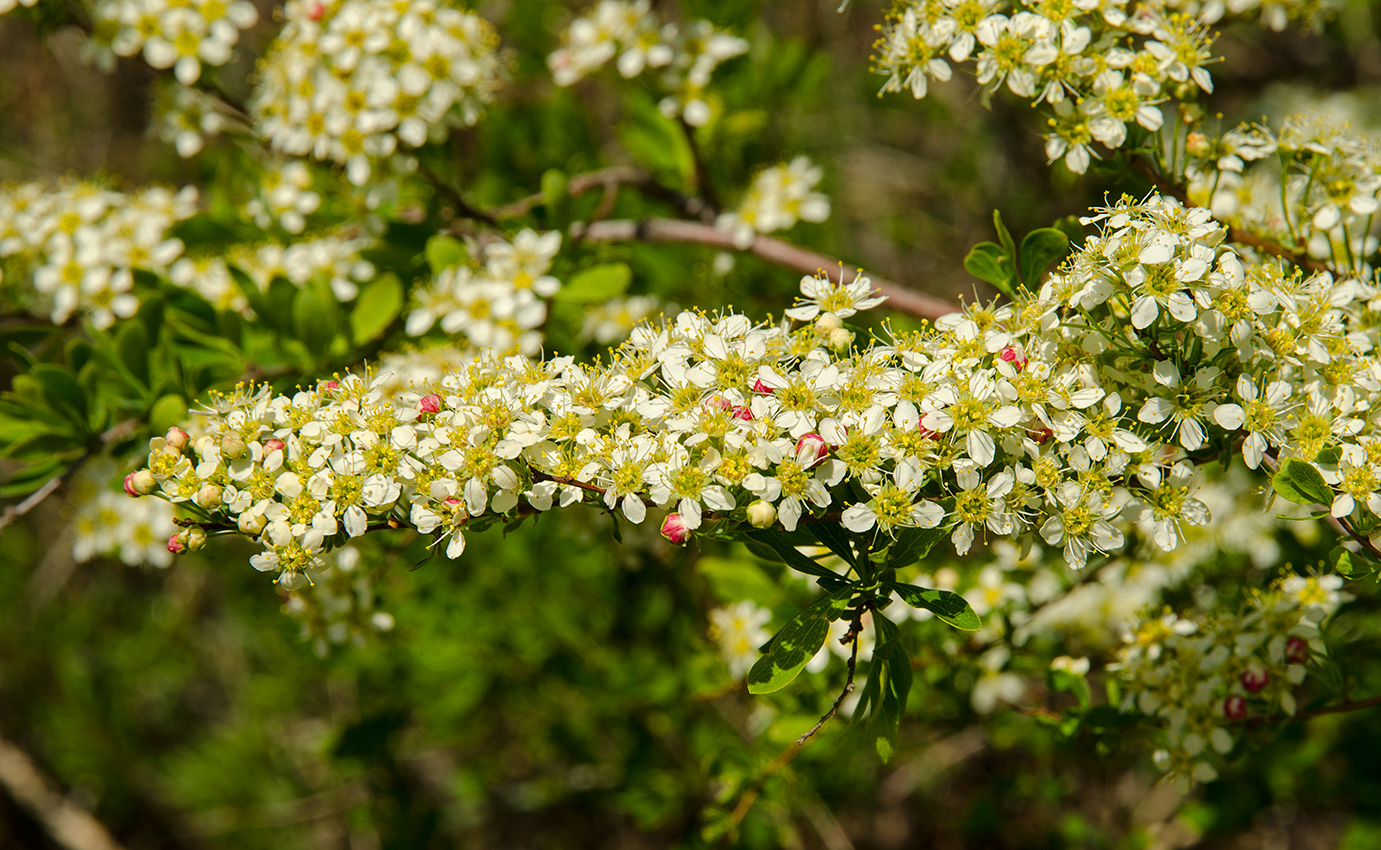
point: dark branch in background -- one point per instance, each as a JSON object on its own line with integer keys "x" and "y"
{"x": 1235, "y": 234}
{"x": 464, "y": 209}
{"x": 113, "y": 435}
{"x": 855, "y": 629}
{"x": 702, "y": 174}
{"x": 768, "y": 248}
{"x": 68, "y": 824}
{"x": 607, "y": 178}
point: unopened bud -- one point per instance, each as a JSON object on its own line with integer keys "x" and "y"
{"x": 1254, "y": 679}
{"x": 718, "y": 403}
{"x": 841, "y": 339}
{"x": 140, "y": 483}
{"x": 811, "y": 449}
{"x": 252, "y": 523}
{"x": 195, "y": 539}
{"x": 743, "y": 412}
{"x": 177, "y": 542}
{"x": 1010, "y": 355}
{"x": 209, "y": 496}
{"x": 1235, "y": 707}
{"x": 429, "y": 403}
{"x": 271, "y": 446}
{"x": 176, "y": 438}
{"x": 1196, "y": 144}
{"x": 315, "y": 10}
{"x": 232, "y": 446}
{"x": 762, "y": 514}
{"x": 330, "y": 387}
{"x": 828, "y": 323}
{"x": 760, "y": 388}
{"x": 1297, "y": 650}
{"x": 674, "y": 529}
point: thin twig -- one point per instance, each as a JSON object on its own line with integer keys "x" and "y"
{"x": 773, "y": 250}
{"x": 855, "y": 629}
{"x": 619, "y": 175}
{"x": 464, "y": 209}
{"x": 1340, "y": 708}
{"x": 702, "y": 174}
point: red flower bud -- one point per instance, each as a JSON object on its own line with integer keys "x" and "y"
{"x": 674, "y": 529}
{"x": 1010, "y": 355}
{"x": 316, "y": 10}
{"x": 1297, "y": 650}
{"x": 429, "y": 403}
{"x": 176, "y": 542}
{"x": 811, "y": 449}
{"x": 743, "y": 412}
{"x": 1235, "y": 707}
{"x": 1254, "y": 679}
{"x": 762, "y": 389}
{"x": 273, "y": 446}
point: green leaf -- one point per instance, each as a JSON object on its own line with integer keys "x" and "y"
{"x": 168, "y": 411}
{"x": 797, "y": 643}
{"x": 445, "y": 251}
{"x": 913, "y": 544}
{"x": 596, "y": 284}
{"x": 1009, "y": 247}
{"x": 62, "y": 389}
{"x": 1070, "y": 683}
{"x": 834, "y": 537}
{"x": 556, "y": 195}
{"x": 1039, "y": 249}
{"x": 891, "y": 670}
{"x": 987, "y": 261}
{"x": 786, "y": 552}
{"x": 314, "y": 319}
{"x": 1299, "y": 481}
{"x": 30, "y": 478}
{"x": 947, "y": 606}
{"x": 377, "y": 306}
{"x": 132, "y": 346}
{"x": 1351, "y": 564}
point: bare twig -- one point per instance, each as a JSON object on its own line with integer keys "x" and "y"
{"x": 702, "y": 173}
{"x": 464, "y": 209}
{"x": 66, "y": 823}
{"x": 773, "y": 250}
{"x": 855, "y": 629}
{"x": 606, "y": 178}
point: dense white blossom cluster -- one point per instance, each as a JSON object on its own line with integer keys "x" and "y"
{"x": 1314, "y": 183}
{"x": 1072, "y": 415}
{"x": 1206, "y": 678}
{"x": 1102, "y": 68}
{"x": 354, "y": 81}
{"x": 631, "y": 34}
{"x": 498, "y": 303}
{"x": 780, "y": 196}
{"x": 1272, "y": 14}
{"x": 72, "y": 248}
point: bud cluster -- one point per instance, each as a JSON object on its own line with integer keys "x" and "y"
{"x": 685, "y": 57}
{"x": 1207, "y": 678}
{"x": 352, "y": 81}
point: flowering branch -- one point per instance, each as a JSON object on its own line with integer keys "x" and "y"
{"x": 773, "y": 250}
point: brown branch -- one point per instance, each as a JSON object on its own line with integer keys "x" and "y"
{"x": 464, "y": 209}
{"x": 855, "y": 629}
{"x": 1235, "y": 234}
{"x": 773, "y": 250}
{"x": 36, "y": 498}
{"x": 68, "y": 824}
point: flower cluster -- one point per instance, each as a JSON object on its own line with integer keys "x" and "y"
{"x": 1272, "y": 14}
{"x": 186, "y": 118}
{"x": 351, "y": 81}
{"x": 498, "y": 302}
{"x": 179, "y": 35}
{"x": 285, "y": 198}
{"x": 779, "y": 197}
{"x": 1205, "y": 678}
{"x": 685, "y": 57}
{"x": 739, "y": 630}
{"x": 1102, "y": 71}
{"x": 79, "y": 243}
{"x": 614, "y": 320}
{"x": 1319, "y": 191}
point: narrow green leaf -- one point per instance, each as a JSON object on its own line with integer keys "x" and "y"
{"x": 947, "y": 606}
{"x": 445, "y": 251}
{"x": 892, "y": 667}
{"x": 786, "y": 552}
{"x": 315, "y": 319}
{"x": 132, "y": 347}
{"x": 61, "y": 388}
{"x": 797, "y": 642}
{"x": 1039, "y": 249}
{"x": 1299, "y": 481}
{"x": 597, "y": 283}
{"x": 833, "y": 536}
{"x": 988, "y": 262}
{"x": 913, "y": 544}
{"x": 376, "y": 307}
{"x": 1009, "y": 246}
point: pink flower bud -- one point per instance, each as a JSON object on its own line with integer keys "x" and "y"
{"x": 1254, "y": 679}
{"x": 209, "y": 496}
{"x": 429, "y": 403}
{"x": 743, "y": 412}
{"x": 1297, "y": 650}
{"x": 273, "y": 446}
{"x": 330, "y": 387}
{"x": 1010, "y": 355}
{"x": 176, "y": 438}
{"x": 1235, "y": 707}
{"x": 316, "y": 10}
{"x": 761, "y": 389}
{"x": 140, "y": 483}
{"x": 811, "y": 449}
{"x": 177, "y": 542}
{"x": 674, "y": 529}
{"x": 718, "y": 403}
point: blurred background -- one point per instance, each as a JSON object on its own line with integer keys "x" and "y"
{"x": 547, "y": 690}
